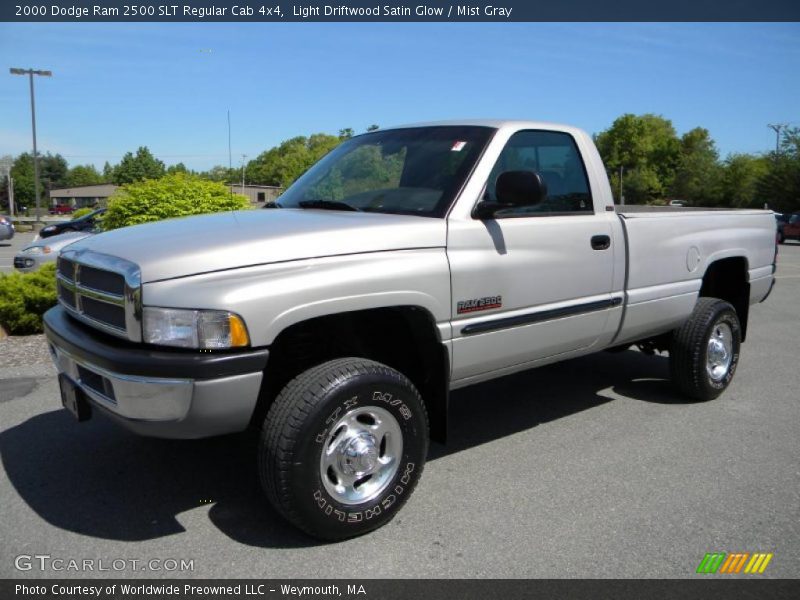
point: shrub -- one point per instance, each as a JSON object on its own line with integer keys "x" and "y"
{"x": 24, "y": 298}
{"x": 81, "y": 211}
{"x": 175, "y": 195}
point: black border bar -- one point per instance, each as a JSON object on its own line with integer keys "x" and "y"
{"x": 399, "y": 11}
{"x": 709, "y": 587}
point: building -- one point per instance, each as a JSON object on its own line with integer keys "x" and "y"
{"x": 258, "y": 194}
{"x": 85, "y": 195}
{"x": 97, "y": 195}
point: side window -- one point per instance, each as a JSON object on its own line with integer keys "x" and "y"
{"x": 556, "y": 158}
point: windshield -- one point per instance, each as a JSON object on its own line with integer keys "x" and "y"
{"x": 416, "y": 171}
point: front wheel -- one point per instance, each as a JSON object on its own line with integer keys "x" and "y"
{"x": 704, "y": 352}
{"x": 342, "y": 447}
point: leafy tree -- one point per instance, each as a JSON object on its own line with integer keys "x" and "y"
{"x": 373, "y": 127}
{"x": 739, "y": 180}
{"x": 284, "y": 163}
{"x": 779, "y": 187}
{"x": 178, "y": 168}
{"x": 697, "y": 176}
{"x": 52, "y": 174}
{"x": 108, "y": 172}
{"x": 83, "y": 175}
{"x": 346, "y": 133}
{"x": 647, "y": 148}
{"x": 137, "y": 167}
{"x": 220, "y": 173}
{"x": 174, "y": 195}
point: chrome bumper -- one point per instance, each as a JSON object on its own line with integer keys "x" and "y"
{"x": 162, "y": 407}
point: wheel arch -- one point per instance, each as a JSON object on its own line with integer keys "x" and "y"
{"x": 405, "y": 338}
{"x": 727, "y": 279}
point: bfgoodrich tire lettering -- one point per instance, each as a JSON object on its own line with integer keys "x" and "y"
{"x": 310, "y": 416}
{"x": 704, "y": 352}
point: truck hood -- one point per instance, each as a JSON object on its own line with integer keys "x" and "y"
{"x": 206, "y": 243}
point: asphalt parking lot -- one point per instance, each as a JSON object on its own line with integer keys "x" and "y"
{"x": 8, "y": 248}
{"x": 589, "y": 468}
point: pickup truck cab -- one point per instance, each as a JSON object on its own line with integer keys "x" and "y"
{"x": 406, "y": 263}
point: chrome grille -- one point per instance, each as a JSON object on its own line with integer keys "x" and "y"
{"x": 101, "y": 290}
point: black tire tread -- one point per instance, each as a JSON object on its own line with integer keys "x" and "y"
{"x": 292, "y": 406}
{"x": 688, "y": 345}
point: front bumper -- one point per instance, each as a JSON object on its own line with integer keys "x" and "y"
{"x": 154, "y": 392}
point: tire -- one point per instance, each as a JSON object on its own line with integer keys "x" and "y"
{"x": 343, "y": 447}
{"x": 704, "y": 352}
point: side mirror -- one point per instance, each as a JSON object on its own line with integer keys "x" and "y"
{"x": 514, "y": 189}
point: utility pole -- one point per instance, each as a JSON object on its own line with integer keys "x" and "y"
{"x": 777, "y": 129}
{"x": 230, "y": 160}
{"x": 244, "y": 156}
{"x": 30, "y": 73}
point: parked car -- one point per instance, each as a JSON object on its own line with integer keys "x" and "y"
{"x": 61, "y": 209}
{"x": 781, "y": 219}
{"x": 6, "y": 228}
{"x": 87, "y": 222}
{"x": 677, "y": 203}
{"x": 44, "y": 251}
{"x": 791, "y": 228}
{"x": 407, "y": 263}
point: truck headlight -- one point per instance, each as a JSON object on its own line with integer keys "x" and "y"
{"x": 204, "y": 329}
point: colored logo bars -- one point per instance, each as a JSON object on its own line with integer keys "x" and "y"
{"x": 720, "y": 562}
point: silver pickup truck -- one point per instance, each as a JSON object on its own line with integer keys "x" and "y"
{"x": 406, "y": 263}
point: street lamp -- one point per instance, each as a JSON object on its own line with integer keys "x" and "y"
{"x": 30, "y": 73}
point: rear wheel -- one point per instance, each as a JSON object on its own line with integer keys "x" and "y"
{"x": 343, "y": 447}
{"x": 704, "y": 352}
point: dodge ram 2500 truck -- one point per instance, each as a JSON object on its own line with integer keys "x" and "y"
{"x": 406, "y": 263}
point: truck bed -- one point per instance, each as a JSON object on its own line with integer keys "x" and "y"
{"x": 669, "y": 249}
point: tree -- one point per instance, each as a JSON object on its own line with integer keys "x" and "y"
{"x": 83, "y": 175}
{"x": 373, "y": 127}
{"x": 739, "y": 180}
{"x": 284, "y": 163}
{"x": 220, "y": 173}
{"x": 108, "y": 172}
{"x": 647, "y": 148}
{"x": 780, "y": 185}
{"x": 179, "y": 168}
{"x": 346, "y": 133}
{"x": 52, "y": 174}
{"x": 698, "y": 173}
{"x": 174, "y": 195}
{"x": 137, "y": 168}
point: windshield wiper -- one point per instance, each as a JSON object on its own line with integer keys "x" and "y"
{"x": 326, "y": 205}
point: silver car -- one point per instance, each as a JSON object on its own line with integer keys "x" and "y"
{"x": 45, "y": 250}
{"x": 6, "y": 228}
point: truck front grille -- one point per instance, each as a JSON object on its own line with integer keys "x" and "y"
{"x": 102, "y": 291}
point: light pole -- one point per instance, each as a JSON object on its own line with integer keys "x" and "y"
{"x": 30, "y": 73}
{"x": 244, "y": 157}
{"x": 777, "y": 129}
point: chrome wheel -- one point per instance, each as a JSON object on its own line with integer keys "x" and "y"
{"x": 719, "y": 353}
{"x": 361, "y": 455}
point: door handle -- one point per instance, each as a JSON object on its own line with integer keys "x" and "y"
{"x": 601, "y": 242}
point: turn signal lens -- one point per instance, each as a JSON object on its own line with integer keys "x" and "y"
{"x": 238, "y": 332}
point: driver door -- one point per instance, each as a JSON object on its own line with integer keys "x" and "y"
{"x": 535, "y": 281}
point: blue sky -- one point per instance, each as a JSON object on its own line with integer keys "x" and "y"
{"x": 168, "y": 86}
